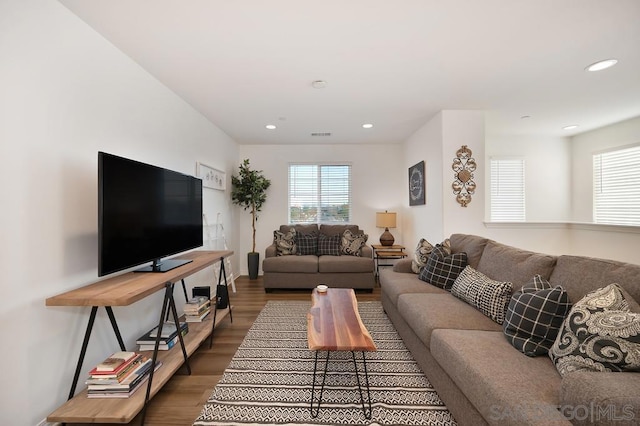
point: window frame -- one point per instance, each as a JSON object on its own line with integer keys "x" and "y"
{"x": 506, "y": 215}
{"x": 319, "y": 219}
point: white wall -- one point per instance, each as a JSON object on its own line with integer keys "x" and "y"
{"x": 375, "y": 183}
{"x": 66, "y": 94}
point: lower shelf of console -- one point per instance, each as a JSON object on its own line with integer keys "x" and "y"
{"x": 81, "y": 409}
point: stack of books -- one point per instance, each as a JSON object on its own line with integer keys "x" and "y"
{"x": 119, "y": 376}
{"x": 197, "y": 308}
{"x": 168, "y": 339}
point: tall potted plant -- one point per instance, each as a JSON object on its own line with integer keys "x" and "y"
{"x": 249, "y": 190}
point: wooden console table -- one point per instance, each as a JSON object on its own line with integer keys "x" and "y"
{"x": 124, "y": 290}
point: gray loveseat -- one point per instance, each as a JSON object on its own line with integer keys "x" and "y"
{"x": 309, "y": 270}
{"x": 478, "y": 374}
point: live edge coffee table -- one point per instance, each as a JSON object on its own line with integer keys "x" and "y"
{"x": 334, "y": 324}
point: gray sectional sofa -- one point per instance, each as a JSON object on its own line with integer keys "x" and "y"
{"x": 307, "y": 271}
{"x": 478, "y": 374}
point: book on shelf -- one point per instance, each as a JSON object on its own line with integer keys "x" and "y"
{"x": 150, "y": 336}
{"x": 123, "y": 391}
{"x": 114, "y": 361}
{"x": 161, "y": 347}
{"x": 197, "y": 318}
{"x": 196, "y": 303}
{"x": 120, "y": 371}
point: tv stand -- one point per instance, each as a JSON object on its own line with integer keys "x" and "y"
{"x": 159, "y": 265}
{"x": 124, "y": 290}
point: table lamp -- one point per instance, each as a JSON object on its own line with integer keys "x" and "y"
{"x": 386, "y": 220}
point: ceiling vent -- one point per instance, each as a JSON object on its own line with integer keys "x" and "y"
{"x": 321, "y": 134}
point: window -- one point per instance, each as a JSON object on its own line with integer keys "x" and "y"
{"x": 507, "y": 190}
{"x": 616, "y": 186}
{"x": 319, "y": 193}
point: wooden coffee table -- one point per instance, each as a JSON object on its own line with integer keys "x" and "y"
{"x": 334, "y": 324}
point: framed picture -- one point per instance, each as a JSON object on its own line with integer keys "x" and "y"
{"x": 416, "y": 184}
{"x": 211, "y": 177}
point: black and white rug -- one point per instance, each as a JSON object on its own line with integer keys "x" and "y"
{"x": 269, "y": 379}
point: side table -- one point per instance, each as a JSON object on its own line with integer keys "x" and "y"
{"x": 381, "y": 252}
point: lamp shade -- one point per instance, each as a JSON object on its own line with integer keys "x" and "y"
{"x": 385, "y": 220}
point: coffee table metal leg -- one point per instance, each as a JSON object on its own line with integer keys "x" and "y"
{"x": 314, "y": 413}
{"x": 365, "y": 411}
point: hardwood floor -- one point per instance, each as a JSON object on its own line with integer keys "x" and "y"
{"x": 181, "y": 399}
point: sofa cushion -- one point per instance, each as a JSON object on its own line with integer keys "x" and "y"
{"x": 426, "y": 312}
{"x": 442, "y": 270}
{"x": 345, "y": 264}
{"x": 285, "y": 242}
{"x": 613, "y": 397}
{"x": 352, "y": 242}
{"x": 504, "y": 385}
{"x": 422, "y": 252}
{"x": 331, "y": 230}
{"x": 301, "y": 228}
{"x": 328, "y": 245}
{"x": 305, "y": 264}
{"x": 489, "y": 296}
{"x": 396, "y": 283}
{"x": 535, "y": 315}
{"x": 307, "y": 244}
{"x": 580, "y": 275}
{"x": 505, "y": 263}
{"x": 470, "y": 244}
{"x": 599, "y": 334}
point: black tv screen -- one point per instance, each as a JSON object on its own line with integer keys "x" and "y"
{"x": 144, "y": 214}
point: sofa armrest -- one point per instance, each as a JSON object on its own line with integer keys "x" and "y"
{"x": 611, "y": 398}
{"x": 270, "y": 251}
{"x": 403, "y": 265}
{"x": 366, "y": 251}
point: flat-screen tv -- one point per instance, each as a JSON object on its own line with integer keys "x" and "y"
{"x": 144, "y": 214}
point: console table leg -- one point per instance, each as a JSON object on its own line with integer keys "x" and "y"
{"x": 114, "y": 324}
{"x": 83, "y": 351}
{"x": 172, "y": 306}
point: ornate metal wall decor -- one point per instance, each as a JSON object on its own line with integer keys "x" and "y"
{"x": 463, "y": 167}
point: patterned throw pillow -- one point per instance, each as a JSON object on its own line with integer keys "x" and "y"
{"x": 285, "y": 242}
{"x": 489, "y": 296}
{"x": 307, "y": 244}
{"x": 441, "y": 269}
{"x": 423, "y": 250}
{"x": 329, "y": 245}
{"x": 600, "y": 334}
{"x": 352, "y": 243}
{"x": 535, "y": 315}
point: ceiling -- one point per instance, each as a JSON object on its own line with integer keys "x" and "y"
{"x": 395, "y": 64}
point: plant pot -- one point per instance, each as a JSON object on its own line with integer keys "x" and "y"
{"x": 253, "y": 261}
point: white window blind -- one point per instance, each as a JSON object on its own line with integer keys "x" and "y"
{"x": 507, "y": 190}
{"x": 616, "y": 187}
{"x": 319, "y": 193}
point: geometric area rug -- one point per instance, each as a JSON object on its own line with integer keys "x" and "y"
{"x": 268, "y": 381}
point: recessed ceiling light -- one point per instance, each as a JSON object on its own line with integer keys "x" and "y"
{"x": 319, "y": 84}
{"x": 602, "y": 65}
{"x": 270, "y": 126}
{"x": 367, "y": 125}
{"x": 570, "y": 127}
{"x": 524, "y": 117}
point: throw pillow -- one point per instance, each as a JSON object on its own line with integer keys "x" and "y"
{"x": 441, "y": 269}
{"x": 307, "y": 244}
{"x": 423, "y": 250}
{"x": 352, "y": 243}
{"x": 600, "y": 334}
{"x": 489, "y": 296}
{"x": 329, "y": 245}
{"x": 535, "y": 315}
{"x": 285, "y": 242}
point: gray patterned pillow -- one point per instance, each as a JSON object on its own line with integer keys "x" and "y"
{"x": 352, "y": 243}
{"x": 489, "y": 296}
{"x": 441, "y": 269}
{"x": 285, "y": 242}
{"x": 535, "y": 315}
{"x": 600, "y": 334}
{"x": 423, "y": 250}
{"x": 307, "y": 244}
{"x": 329, "y": 245}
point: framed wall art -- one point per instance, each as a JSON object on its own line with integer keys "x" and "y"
{"x": 211, "y": 177}
{"x": 417, "y": 184}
